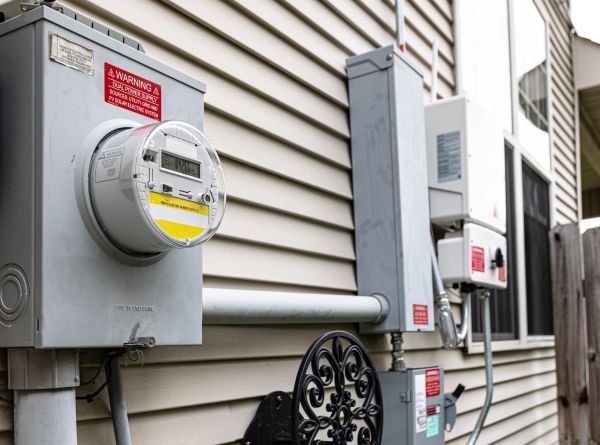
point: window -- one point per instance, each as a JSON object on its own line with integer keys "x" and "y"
{"x": 536, "y": 210}
{"x": 505, "y": 43}
{"x": 530, "y": 62}
{"x": 503, "y": 303}
{"x": 485, "y": 56}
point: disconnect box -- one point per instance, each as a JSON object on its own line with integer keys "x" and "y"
{"x": 475, "y": 255}
{"x": 101, "y": 202}
{"x": 465, "y": 149}
{"x": 415, "y": 399}
{"x": 389, "y": 170}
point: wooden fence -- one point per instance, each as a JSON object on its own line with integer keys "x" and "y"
{"x": 576, "y": 303}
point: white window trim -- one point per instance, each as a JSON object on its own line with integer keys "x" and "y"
{"x": 520, "y": 155}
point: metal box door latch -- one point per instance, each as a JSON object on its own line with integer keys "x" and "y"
{"x": 337, "y": 399}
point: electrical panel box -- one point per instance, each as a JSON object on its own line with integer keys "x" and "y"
{"x": 80, "y": 130}
{"x": 413, "y": 402}
{"x": 474, "y": 255}
{"x": 389, "y": 171}
{"x": 465, "y": 150}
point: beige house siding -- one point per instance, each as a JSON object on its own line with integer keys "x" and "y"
{"x": 276, "y": 109}
{"x": 562, "y": 87}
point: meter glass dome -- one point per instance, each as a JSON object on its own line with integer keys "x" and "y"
{"x": 157, "y": 187}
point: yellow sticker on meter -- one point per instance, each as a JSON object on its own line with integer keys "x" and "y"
{"x": 180, "y": 218}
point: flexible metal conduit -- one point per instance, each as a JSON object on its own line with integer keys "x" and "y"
{"x": 489, "y": 371}
{"x": 231, "y": 306}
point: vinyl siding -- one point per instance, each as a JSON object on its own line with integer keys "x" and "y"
{"x": 277, "y": 109}
{"x": 563, "y": 119}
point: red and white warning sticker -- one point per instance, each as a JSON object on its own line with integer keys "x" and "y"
{"x": 420, "y": 314}
{"x": 132, "y": 92}
{"x": 432, "y": 382}
{"x": 502, "y": 273}
{"x": 477, "y": 259}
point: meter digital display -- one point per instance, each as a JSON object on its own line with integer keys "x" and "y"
{"x": 156, "y": 188}
{"x": 179, "y": 165}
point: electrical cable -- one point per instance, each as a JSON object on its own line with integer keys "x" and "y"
{"x": 107, "y": 359}
{"x": 100, "y": 368}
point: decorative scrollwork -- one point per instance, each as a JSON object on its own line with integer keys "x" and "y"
{"x": 337, "y": 397}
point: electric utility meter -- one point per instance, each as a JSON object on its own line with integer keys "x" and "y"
{"x": 157, "y": 187}
{"x": 107, "y": 189}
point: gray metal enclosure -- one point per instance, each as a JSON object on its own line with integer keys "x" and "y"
{"x": 419, "y": 412}
{"x": 389, "y": 170}
{"x": 58, "y": 287}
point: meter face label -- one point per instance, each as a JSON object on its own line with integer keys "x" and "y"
{"x": 72, "y": 54}
{"x": 131, "y": 92}
{"x": 179, "y": 218}
{"x": 108, "y": 165}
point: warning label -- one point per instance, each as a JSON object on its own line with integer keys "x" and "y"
{"x": 477, "y": 259}
{"x": 502, "y": 273}
{"x": 132, "y": 92}
{"x": 432, "y": 382}
{"x": 179, "y": 218}
{"x": 433, "y": 410}
{"x": 108, "y": 165}
{"x": 420, "y": 314}
{"x": 420, "y": 404}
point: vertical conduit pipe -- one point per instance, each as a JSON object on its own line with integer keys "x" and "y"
{"x": 116, "y": 397}
{"x": 458, "y": 63}
{"x": 489, "y": 370}
{"x": 399, "y": 12}
{"x": 45, "y": 417}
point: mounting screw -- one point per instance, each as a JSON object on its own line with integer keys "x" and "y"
{"x": 389, "y": 56}
{"x": 279, "y": 398}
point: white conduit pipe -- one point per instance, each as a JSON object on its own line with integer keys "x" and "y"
{"x": 458, "y": 61}
{"x": 231, "y": 306}
{"x": 399, "y": 13}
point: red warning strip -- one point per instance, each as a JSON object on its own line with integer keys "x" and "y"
{"x": 432, "y": 382}
{"x": 477, "y": 259}
{"x": 132, "y": 92}
{"x": 420, "y": 314}
{"x": 502, "y": 274}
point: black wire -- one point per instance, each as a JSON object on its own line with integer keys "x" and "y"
{"x": 100, "y": 368}
{"x": 107, "y": 360}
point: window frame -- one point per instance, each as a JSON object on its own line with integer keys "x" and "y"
{"x": 520, "y": 155}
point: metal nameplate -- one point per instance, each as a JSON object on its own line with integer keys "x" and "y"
{"x": 72, "y": 54}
